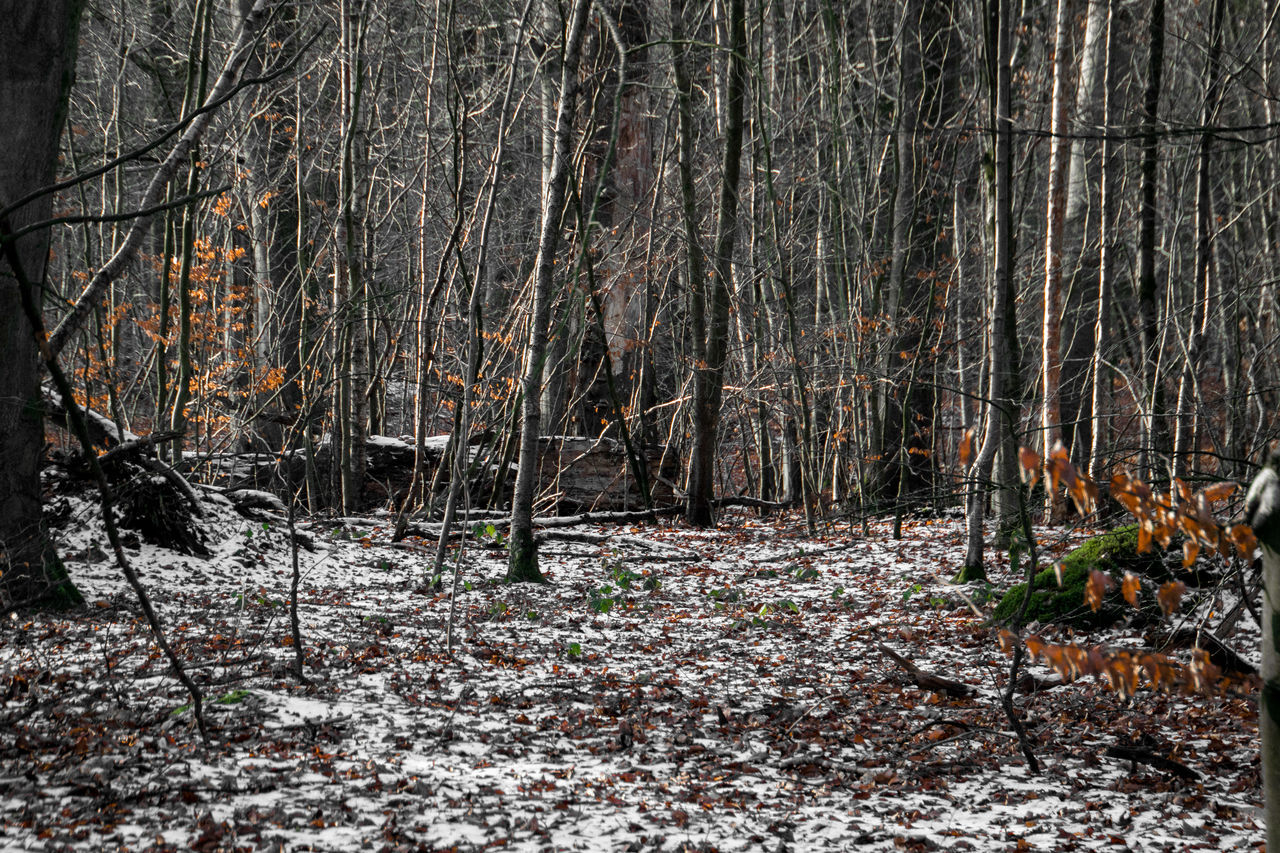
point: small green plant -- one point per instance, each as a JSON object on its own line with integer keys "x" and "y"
{"x": 803, "y": 573}
{"x": 602, "y": 598}
{"x": 498, "y": 608}
{"x": 232, "y": 698}
{"x": 532, "y": 615}
{"x": 727, "y": 595}
{"x": 910, "y": 591}
{"x": 574, "y": 651}
{"x": 488, "y": 535}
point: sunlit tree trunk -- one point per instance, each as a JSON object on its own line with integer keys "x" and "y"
{"x": 1001, "y": 408}
{"x": 1100, "y": 375}
{"x": 1051, "y": 327}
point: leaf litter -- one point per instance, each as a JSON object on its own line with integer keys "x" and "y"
{"x": 670, "y": 689}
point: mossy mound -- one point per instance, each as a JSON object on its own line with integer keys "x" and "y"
{"x": 1114, "y": 552}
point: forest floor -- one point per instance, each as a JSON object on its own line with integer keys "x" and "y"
{"x": 670, "y": 689}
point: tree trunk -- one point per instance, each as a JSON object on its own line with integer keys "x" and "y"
{"x": 37, "y": 65}
{"x": 1186, "y": 428}
{"x": 1106, "y": 260}
{"x": 523, "y": 564}
{"x": 1262, "y": 512}
{"x": 1000, "y": 405}
{"x": 1051, "y": 328}
{"x": 1155, "y": 437}
{"x": 711, "y": 321}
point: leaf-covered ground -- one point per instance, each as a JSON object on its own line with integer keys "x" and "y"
{"x": 668, "y": 690}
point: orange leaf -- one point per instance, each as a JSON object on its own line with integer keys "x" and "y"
{"x": 1170, "y": 596}
{"x": 1190, "y": 550}
{"x": 1035, "y": 646}
{"x": 1057, "y": 571}
{"x": 1144, "y": 537}
{"x": 1084, "y": 493}
{"x": 1219, "y": 492}
{"x": 1130, "y": 588}
{"x": 1096, "y": 588}
{"x": 966, "y": 447}
{"x": 1030, "y": 462}
{"x": 1202, "y": 674}
{"x": 1244, "y": 540}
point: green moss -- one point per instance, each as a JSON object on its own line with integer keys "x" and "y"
{"x": 1114, "y": 552}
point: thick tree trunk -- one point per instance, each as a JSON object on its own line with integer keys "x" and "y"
{"x": 1262, "y": 512}
{"x": 523, "y": 564}
{"x": 37, "y": 64}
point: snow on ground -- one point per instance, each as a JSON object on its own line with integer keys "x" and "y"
{"x": 668, "y": 690}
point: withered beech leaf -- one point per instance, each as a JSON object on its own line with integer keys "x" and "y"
{"x": 1246, "y": 543}
{"x": 1170, "y": 596}
{"x": 1219, "y": 492}
{"x": 1096, "y": 588}
{"x": 1057, "y": 571}
{"x": 1190, "y": 550}
{"x": 966, "y": 448}
{"x": 1132, "y": 584}
{"x": 1030, "y": 462}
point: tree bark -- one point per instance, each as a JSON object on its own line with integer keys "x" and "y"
{"x": 1051, "y": 327}
{"x": 523, "y": 563}
{"x": 37, "y": 65}
{"x": 1185, "y": 438}
{"x": 1262, "y": 512}
{"x": 1000, "y": 406}
{"x": 711, "y": 321}
{"x": 1155, "y": 438}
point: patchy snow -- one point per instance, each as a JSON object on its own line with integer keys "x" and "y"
{"x": 669, "y": 690}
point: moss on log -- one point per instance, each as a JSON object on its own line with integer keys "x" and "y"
{"x": 1114, "y": 552}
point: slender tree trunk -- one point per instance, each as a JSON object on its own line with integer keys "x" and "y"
{"x": 350, "y": 299}
{"x": 1185, "y": 431}
{"x": 1051, "y": 328}
{"x": 1155, "y": 437}
{"x": 710, "y": 303}
{"x": 1001, "y": 408}
{"x": 1106, "y": 254}
{"x": 523, "y": 564}
{"x": 37, "y": 65}
{"x": 197, "y": 80}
